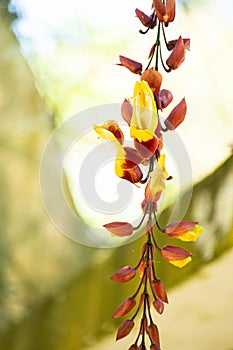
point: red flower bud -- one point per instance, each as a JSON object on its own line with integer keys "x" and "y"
{"x": 152, "y": 50}
{"x": 159, "y": 290}
{"x": 125, "y": 307}
{"x": 164, "y": 98}
{"x": 153, "y": 78}
{"x": 177, "y": 56}
{"x": 124, "y": 329}
{"x": 154, "y": 347}
{"x": 158, "y": 305}
{"x": 120, "y": 229}
{"x": 127, "y": 111}
{"x": 141, "y": 267}
{"x": 153, "y": 332}
{"x": 124, "y": 274}
{"x": 176, "y": 116}
{"x": 133, "y": 66}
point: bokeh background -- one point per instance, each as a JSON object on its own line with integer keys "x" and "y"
{"x": 56, "y": 59}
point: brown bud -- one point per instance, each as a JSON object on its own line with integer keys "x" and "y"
{"x": 124, "y": 329}
{"x": 133, "y": 66}
{"x": 176, "y": 116}
{"x": 126, "y": 111}
{"x": 120, "y": 229}
{"x": 142, "y": 347}
{"x": 152, "y": 50}
{"x": 177, "y": 56}
{"x": 124, "y": 274}
{"x": 142, "y": 267}
{"x": 164, "y": 98}
{"x": 125, "y": 307}
{"x": 153, "y": 78}
{"x": 153, "y": 332}
{"x": 158, "y": 305}
{"x": 159, "y": 290}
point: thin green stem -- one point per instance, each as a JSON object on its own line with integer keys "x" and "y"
{"x": 157, "y": 47}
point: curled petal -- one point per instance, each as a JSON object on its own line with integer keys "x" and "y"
{"x": 133, "y": 66}
{"x": 164, "y": 98}
{"x": 177, "y": 56}
{"x": 153, "y": 78}
{"x": 127, "y": 167}
{"x": 125, "y": 307}
{"x": 124, "y": 329}
{"x": 120, "y": 229}
{"x": 114, "y": 128}
{"x": 175, "y": 255}
{"x": 145, "y": 148}
{"x": 153, "y": 332}
{"x": 127, "y": 111}
{"x": 177, "y": 115}
{"x": 124, "y": 274}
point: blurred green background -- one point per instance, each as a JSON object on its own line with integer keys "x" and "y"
{"x": 56, "y": 60}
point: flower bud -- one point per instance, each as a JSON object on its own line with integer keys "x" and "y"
{"x": 176, "y": 116}
{"x": 159, "y": 290}
{"x": 164, "y": 98}
{"x": 153, "y": 332}
{"x": 175, "y": 255}
{"x": 125, "y": 307}
{"x": 124, "y": 329}
{"x": 133, "y": 66}
{"x": 124, "y": 274}
{"x": 158, "y": 305}
{"x": 120, "y": 229}
{"x": 177, "y": 56}
{"x": 127, "y": 111}
{"x": 153, "y": 78}
{"x": 187, "y": 231}
{"x": 154, "y": 347}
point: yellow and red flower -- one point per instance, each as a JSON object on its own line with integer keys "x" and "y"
{"x": 127, "y": 158}
{"x": 144, "y": 120}
{"x": 187, "y": 231}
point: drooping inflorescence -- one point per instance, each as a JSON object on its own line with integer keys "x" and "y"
{"x": 142, "y": 114}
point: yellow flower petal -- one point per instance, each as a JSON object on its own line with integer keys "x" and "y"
{"x": 145, "y": 114}
{"x": 192, "y": 235}
{"x": 109, "y": 136}
{"x": 180, "y": 263}
{"x": 141, "y": 135}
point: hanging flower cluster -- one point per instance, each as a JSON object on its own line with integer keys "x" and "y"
{"x": 141, "y": 113}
